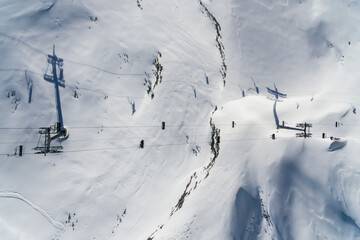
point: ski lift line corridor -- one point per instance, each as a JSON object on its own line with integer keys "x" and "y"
{"x": 60, "y": 132}
{"x": 156, "y": 145}
{"x": 172, "y": 126}
{"x": 147, "y": 146}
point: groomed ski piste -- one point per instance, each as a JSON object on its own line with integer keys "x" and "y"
{"x": 230, "y": 79}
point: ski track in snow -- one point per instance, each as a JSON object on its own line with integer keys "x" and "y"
{"x": 18, "y": 196}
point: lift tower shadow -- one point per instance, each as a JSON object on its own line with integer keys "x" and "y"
{"x": 59, "y": 131}
{"x": 57, "y": 81}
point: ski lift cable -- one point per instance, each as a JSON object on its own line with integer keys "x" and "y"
{"x": 314, "y": 94}
{"x": 91, "y": 90}
{"x": 148, "y": 146}
{"x": 189, "y": 134}
{"x": 73, "y": 86}
{"x": 15, "y": 128}
{"x": 110, "y": 72}
{"x": 103, "y": 70}
{"x": 159, "y": 145}
{"x": 157, "y": 126}
{"x": 68, "y": 60}
{"x": 292, "y": 93}
{"x": 104, "y": 92}
{"x": 130, "y": 138}
{"x": 4, "y": 143}
{"x": 172, "y": 126}
{"x": 19, "y": 70}
{"x": 131, "y": 126}
{"x": 74, "y": 62}
{"x": 22, "y": 42}
{"x": 248, "y": 76}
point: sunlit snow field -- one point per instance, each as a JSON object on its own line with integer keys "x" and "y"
{"x": 206, "y": 69}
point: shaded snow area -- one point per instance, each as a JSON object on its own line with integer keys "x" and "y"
{"x": 214, "y": 92}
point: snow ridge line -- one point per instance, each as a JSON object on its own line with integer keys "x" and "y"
{"x": 18, "y": 196}
{"x": 219, "y": 44}
{"x": 197, "y": 177}
{"x": 215, "y": 149}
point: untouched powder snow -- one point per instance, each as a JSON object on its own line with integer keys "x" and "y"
{"x": 207, "y": 69}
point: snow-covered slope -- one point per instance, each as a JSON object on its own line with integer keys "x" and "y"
{"x": 198, "y": 66}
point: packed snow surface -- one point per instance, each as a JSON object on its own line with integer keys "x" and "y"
{"x": 228, "y": 164}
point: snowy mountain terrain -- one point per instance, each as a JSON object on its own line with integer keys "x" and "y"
{"x": 227, "y": 164}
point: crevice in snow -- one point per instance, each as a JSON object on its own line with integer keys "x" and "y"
{"x": 215, "y": 147}
{"x": 219, "y": 44}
